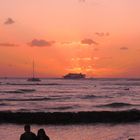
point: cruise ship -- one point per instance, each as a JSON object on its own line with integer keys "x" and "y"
{"x": 74, "y": 76}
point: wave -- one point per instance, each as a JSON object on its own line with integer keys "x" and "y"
{"x": 116, "y": 88}
{"x": 35, "y": 99}
{"x": 12, "y": 91}
{"x": 62, "y": 108}
{"x": 116, "y": 105}
{"x": 93, "y": 96}
{"x": 19, "y": 91}
{"x": 27, "y": 99}
{"x": 40, "y": 84}
{"x": 71, "y": 117}
{"x": 3, "y": 104}
{"x": 89, "y": 96}
{"x": 27, "y": 90}
{"x": 128, "y": 84}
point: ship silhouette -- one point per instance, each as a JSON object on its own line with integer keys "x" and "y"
{"x": 33, "y": 78}
{"x": 74, "y": 76}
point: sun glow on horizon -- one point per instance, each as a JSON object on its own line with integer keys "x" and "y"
{"x": 97, "y": 38}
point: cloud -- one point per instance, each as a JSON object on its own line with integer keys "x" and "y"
{"x": 75, "y": 69}
{"x": 96, "y": 49}
{"x": 40, "y": 43}
{"x": 9, "y": 21}
{"x": 66, "y": 42}
{"x": 102, "y": 34}
{"x": 88, "y": 41}
{"x": 96, "y": 58}
{"x": 81, "y": 59}
{"x": 82, "y": 0}
{"x": 124, "y": 48}
{"x": 8, "y": 45}
{"x": 107, "y": 57}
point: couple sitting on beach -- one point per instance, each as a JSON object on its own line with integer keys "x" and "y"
{"x": 28, "y": 135}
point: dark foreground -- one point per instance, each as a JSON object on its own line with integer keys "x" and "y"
{"x": 70, "y": 117}
{"x": 76, "y": 131}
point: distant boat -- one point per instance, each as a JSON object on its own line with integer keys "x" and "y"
{"x": 33, "y": 78}
{"x": 74, "y": 76}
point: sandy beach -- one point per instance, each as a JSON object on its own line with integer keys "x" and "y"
{"x": 76, "y": 132}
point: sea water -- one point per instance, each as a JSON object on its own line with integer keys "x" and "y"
{"x": 61, "y": 95}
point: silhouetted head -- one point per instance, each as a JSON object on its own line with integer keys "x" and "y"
{"x": 41, "y": 132}
{"x": 131, "y": 139}
{"x": 27, "y": 128}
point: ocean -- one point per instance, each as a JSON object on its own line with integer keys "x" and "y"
{"x": 73, "y": 96}
{"x": 61, "y": 95}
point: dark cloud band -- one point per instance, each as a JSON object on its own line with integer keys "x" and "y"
{"x": 8, "y": 45}
{"x": 88, "y": 41}
{"x": 9, "y": 21}
{"x": 40, "y": 43}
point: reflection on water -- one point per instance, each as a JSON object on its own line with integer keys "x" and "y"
{"x": 76, "y": 132}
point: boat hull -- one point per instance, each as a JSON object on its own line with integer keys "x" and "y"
{"x": 33, "y": 80}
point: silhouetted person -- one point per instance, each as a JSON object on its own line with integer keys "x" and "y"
{"x": 41, "y": 135}
{"x": 28, "y": 135}
{"x": 131, "y": 139}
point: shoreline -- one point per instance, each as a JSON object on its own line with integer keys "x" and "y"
{"x": 81, "y": 132}
{"x": 70, "y": 117}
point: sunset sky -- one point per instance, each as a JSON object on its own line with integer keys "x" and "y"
{"x": 100, "y": 38}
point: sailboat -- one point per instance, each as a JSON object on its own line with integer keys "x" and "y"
{"x": 33, "y": 79}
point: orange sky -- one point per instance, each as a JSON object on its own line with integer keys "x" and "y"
{"x": 97, "y": 37}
